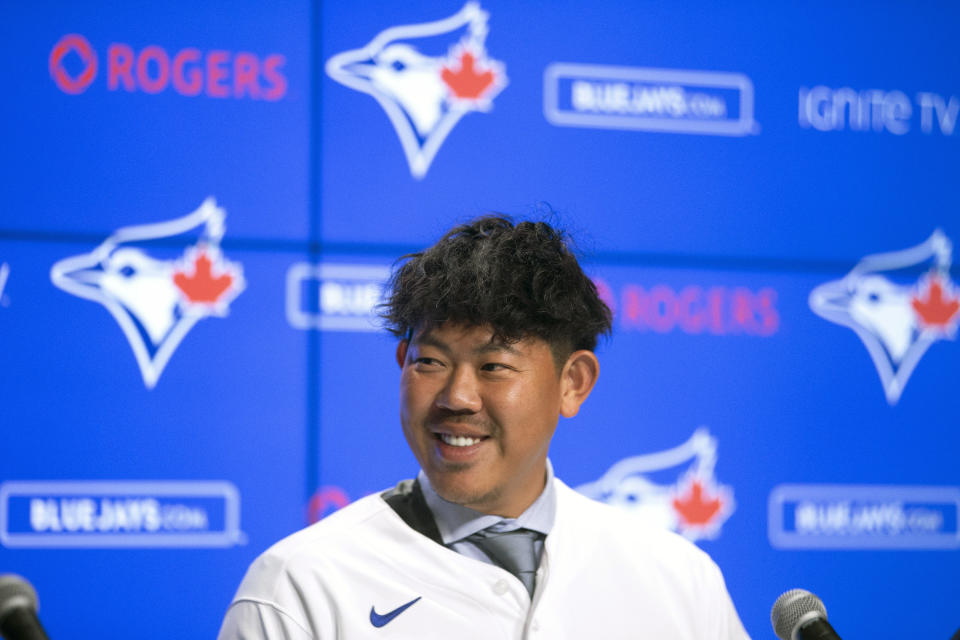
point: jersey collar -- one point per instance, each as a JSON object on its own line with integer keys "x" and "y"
{"x": 455, "y": 522}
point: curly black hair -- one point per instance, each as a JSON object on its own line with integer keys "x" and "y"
{"x": 520, "y": 280}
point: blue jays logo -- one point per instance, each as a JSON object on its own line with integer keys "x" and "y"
{"x": 425, "y": 95}
{"x": 157, "y": 301}
{"x": 675, "y": 489}
{"x": 899, "y": 304}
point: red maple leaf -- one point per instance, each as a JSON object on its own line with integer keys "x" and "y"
{"x": 694, "y": 508}
{"x": 201, "y": 287}
{"x": 467, "y": 82}
{"x": 939, "y": 309}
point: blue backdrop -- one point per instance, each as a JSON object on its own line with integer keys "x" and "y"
{"x": 201, "y": 203}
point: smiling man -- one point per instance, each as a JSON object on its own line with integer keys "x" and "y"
{"x": 497, "y": 325}
{"x": 479, "y": 412}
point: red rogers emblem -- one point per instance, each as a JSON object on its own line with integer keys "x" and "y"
{"x": 66, "y": 82}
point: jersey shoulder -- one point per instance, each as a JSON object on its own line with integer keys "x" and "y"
{"x": 609, "y": 525}
{"x": 272, "y": 571}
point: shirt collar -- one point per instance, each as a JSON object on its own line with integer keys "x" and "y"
{"x": 456, "y": 522}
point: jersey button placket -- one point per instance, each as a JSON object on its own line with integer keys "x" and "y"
{"x": 500, "y": 587}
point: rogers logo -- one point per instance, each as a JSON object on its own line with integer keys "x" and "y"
{"x": 152, "y": 69}
{"x": 73, "y": 83}
{"x": 693, "y": 309}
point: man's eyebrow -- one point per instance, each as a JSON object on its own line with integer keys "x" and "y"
{"x": 493, "y": 346}
{"x": 427, "y": 339}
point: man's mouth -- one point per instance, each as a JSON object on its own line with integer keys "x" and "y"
{"x": 458, "y": 441}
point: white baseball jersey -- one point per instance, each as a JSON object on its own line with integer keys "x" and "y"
{"x": 364, "y": 573}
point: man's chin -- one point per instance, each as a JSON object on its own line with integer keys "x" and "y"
{"x": 463, "y": 493}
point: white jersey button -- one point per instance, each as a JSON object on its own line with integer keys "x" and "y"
{"x": 500, "y": 587}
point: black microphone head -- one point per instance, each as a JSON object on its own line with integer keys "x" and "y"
{"x": 793, "y": 609}
{"x": 15, "y": 593}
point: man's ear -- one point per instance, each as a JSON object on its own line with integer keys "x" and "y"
{"x": 577, "y": 378}
{"x": 402, "y": 352}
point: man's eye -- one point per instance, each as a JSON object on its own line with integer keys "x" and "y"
{"x": 495, "y": 366}
{"x": 426, "y": 361}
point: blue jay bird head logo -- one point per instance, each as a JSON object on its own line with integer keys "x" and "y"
{"x": 426, "y": 77}
{"x": 899, "y": 304}
{"x": 675, "y": 489}
{"x": 157, "y": 293}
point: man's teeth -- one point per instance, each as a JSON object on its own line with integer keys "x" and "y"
{"x": 458, "y": 441}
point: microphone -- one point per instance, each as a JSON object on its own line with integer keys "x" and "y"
{"x": 18, "y": 610}
{"x": 800, "y": 615}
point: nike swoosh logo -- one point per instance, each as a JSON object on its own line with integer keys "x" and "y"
{"x": 379, "y": 620}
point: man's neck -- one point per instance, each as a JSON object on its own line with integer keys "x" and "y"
{"x": 457, "y": 521}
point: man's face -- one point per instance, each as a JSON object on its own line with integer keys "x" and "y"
{"x": 479, "y": 414}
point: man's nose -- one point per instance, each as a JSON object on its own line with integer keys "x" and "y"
{"x": 461, "y": 393}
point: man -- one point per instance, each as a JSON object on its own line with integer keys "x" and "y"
{"x": 497, "y": 325}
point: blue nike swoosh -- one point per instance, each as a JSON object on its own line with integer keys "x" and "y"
{"x": 378, "y": 620}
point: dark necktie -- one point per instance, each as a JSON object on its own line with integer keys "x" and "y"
{"x": 513, "y": 551}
